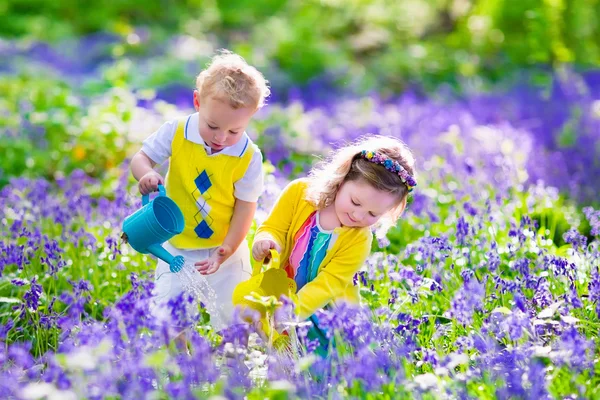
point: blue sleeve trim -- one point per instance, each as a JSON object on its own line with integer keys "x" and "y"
{"x": 186, "y": 125}
{"x": 244, "y": 149}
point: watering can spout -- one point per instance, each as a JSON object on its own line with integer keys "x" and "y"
{"x": 160, "y": 252}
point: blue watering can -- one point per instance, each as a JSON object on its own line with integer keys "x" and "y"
{"x": 152, "y": 225}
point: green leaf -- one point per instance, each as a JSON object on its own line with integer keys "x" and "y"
{"x": 157, "y": 359}
{"x": 503, "y": 310}
{"x": 10, "y": 300}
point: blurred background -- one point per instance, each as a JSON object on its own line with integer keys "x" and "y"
{"x": 83, "y": 83}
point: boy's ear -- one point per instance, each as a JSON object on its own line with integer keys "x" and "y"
{"x": 197, "y": 100}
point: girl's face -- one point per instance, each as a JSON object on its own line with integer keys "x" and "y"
{"x": 220, "y": 124}
{"x": 358, "y": 204}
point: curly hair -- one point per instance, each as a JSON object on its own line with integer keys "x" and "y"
{"x": 345, "y": 164}
{"x": 229, "y": 78}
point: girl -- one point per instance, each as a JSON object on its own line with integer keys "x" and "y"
{"x": 321, "y": 225}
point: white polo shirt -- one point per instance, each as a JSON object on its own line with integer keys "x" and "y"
{"x": 158, "y": 147}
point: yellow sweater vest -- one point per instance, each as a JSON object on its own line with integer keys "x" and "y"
{"x": 202, "y": 186}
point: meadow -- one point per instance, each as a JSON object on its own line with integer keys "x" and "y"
{"x": 488, "y": 287}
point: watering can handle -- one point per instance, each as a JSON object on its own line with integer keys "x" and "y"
{"x": 161, "y": 192}
{"x": 274, "y": 260}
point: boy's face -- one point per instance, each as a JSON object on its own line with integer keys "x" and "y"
{"x": 220, "y": 124}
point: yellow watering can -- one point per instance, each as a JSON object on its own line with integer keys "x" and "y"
{"x": 273, "y": 282}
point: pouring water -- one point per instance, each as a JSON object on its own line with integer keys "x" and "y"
{"x": 198, "y": 287}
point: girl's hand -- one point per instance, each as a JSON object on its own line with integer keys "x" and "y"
{"x": 212, "y": 263}
{"x": 261, "y": 249}
{"x": 149, "y": 182}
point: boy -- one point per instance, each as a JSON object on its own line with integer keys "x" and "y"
{"x": 215, "y": 176}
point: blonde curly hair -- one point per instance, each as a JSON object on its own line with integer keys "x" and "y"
{"x": 345, "y": 164}
{"x": 229, "y": 78}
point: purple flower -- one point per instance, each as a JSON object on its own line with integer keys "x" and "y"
{"x": 430, "y": 249}
{"x": 50, "y": 318}
{"x": 467, "y": 274}
{"x": 577, "y": 240}
{"x": 543, "y": 297}
{"x": 462, "y": 231}
{"x": 493, "y": 257}
{"x": 593, "y": 217}
{"x": 520, "y": 301}
{"x": 559, "y": 266}
{"x": 243, "y": 324}
{"x": 537, "y": 378}
{"x": 470, "y": 209}
{"x": 522, "y": 266}
{"x": 468, "y": 299}
{"x": 20, "y": 355}
{"x": 516, "y": 323}
{"x": 505, "y": 285}
{"x": 574, "y": 350}
{"x": 32, "y": 296}
{"x": 113, "y": 245}
{"x": 407, "y": 325}
{"x": 573, "y": 298}
{"x": 430, "y": 356}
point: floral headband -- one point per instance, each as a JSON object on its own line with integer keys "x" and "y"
{"x": 390, "y": 165}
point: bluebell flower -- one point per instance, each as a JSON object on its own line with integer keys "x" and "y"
{"x": 593, "y": 217}
{"x": 577, "y": 240}
{"x": 543, "y": 297}
{"x": 32, "y": 296}
{"x": 574, "y": 350}
{"x": 522, "y": 265}
{"x": 462, "y": 231}
{"x": 466, "y": 300}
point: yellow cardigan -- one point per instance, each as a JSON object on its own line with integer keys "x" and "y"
{"x": 349, "y": 252}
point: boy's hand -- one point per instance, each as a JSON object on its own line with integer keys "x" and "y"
{"x": 262, "y": 248}
{"x": 149, "y": 182}
{"x": 212, "y": 263}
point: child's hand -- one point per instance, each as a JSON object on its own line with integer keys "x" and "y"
{"x": 261, "y": 249}
{"x": 149, "y": 182}
{"x": 212, "y": 263}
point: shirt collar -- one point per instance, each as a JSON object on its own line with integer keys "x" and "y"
{"x": 192, "y": 133}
